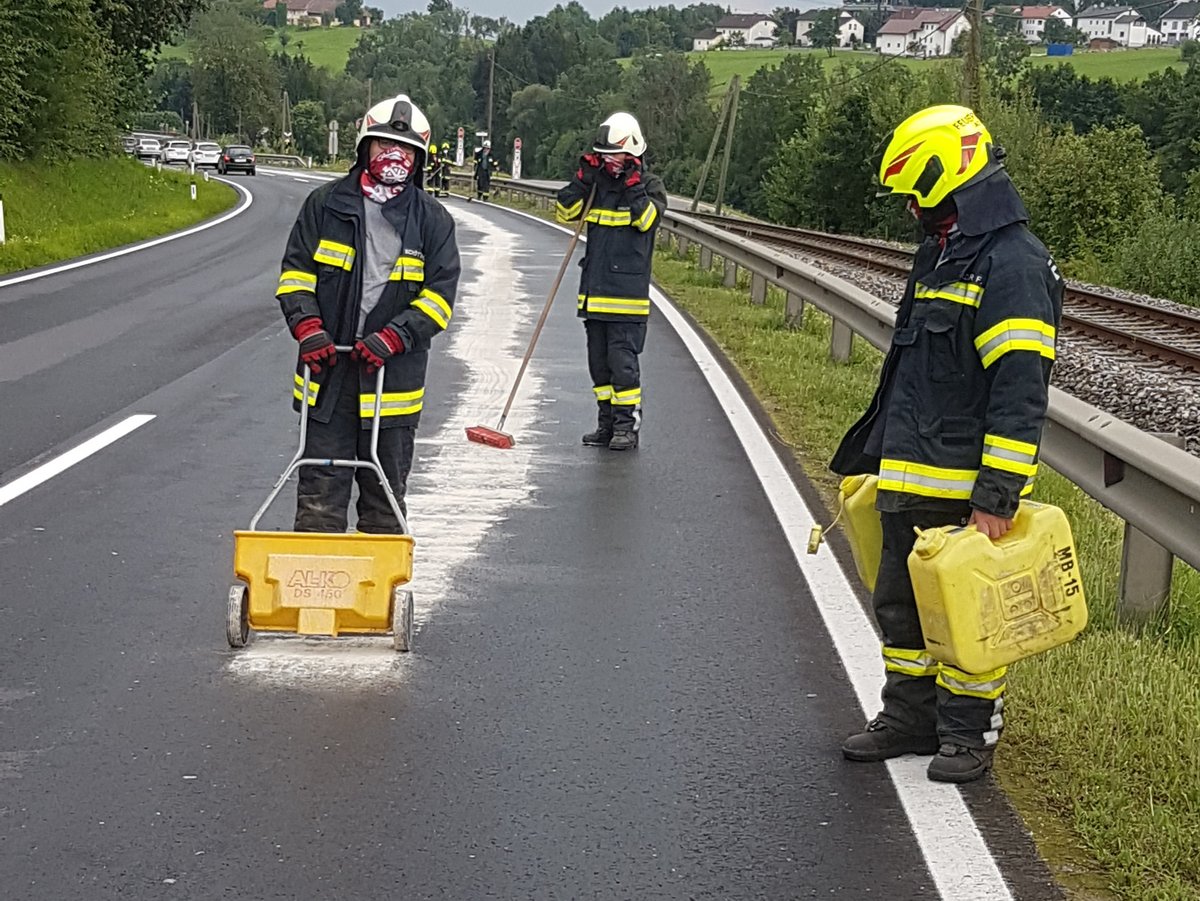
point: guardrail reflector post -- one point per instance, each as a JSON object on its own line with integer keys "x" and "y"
{"x": 706, "y": 258}
{"x": 730, "y": 279}
{"x": 1144, "y": 591}
{"x": 2, "y": 238}
{"x": 793, "y": 312}
{"x": 841, "y": 342}
{"x": 193, "y": 190}
{"x": 758, "y": 288}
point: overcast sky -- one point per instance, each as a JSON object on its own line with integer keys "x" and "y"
{"x": 521, "y": 11}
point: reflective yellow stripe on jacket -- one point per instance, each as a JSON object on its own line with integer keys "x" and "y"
{"x": 649, "y": 216}
{"x": 1010, "y": 455}
{"x": 613, "y": 218}
{"x": 394, "y": 403}
{"x": 293, "y": 280}
{"x": 567, "y": 213}
{"x": 331, "y": 253}
{"x": 1015, "y": 334}
{"x": 408, "y": 269}
{"x": 925, "y": 480}
{"x": 434, "y": 306}
{"x": 625, "y": 306}
{"x": 988, "y": 686}
{"x": 298, "y": 391}
{"x": 909, "y": 662}
{"x": 967, "y": 293}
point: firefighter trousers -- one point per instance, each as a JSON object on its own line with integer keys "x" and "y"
{"x": 613, "y": 349}
{"x": 323, "y": 493}
{"x": 920, "y": 695}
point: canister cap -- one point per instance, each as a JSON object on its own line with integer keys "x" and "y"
{"x": 929, "y": 542}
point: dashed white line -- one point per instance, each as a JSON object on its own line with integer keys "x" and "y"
{"x": 66, "y": 460}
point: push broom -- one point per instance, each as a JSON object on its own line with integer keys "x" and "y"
{"x": 497, "y": 437}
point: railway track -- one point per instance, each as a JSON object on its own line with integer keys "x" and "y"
{"x": 1158, "y": 333}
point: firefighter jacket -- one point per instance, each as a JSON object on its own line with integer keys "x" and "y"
{"x": 615, "y": 283}
{"x": 322, "y": 277}
{"x": 485, "y": 164}
{"x": 964, "y": 387}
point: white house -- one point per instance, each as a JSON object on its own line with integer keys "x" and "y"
{"x": 850, "y": 29}
{"x": 1034, "y": 19}
{"x": 1122, "y": 24}
{"x": 706, "y": 40}
{"x": 756, "y": 29}
{"x": 1180, "y": 23}
{"x": 301, "y": 12}
{"x": 920, "y": 32}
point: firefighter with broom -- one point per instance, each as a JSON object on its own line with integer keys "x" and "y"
{"x": 614, "y": 289}
{"x": 372, "y": 262}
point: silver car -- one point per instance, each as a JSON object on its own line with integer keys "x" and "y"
{"x": 205, "y": 153}
{"x": 176, "y": 151}
{"x": 147, "y": 149}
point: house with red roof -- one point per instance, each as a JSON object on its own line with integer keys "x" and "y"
{"x": 920, "y": 32}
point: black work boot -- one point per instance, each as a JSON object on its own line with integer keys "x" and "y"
{"x": 604, "y": 428}
{"x": 879, "y": 741}
{"x": 623, "y": 439}
{"x": 955, "y": 763}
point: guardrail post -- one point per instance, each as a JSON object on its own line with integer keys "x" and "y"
{"x": 793, "y": 312}
{"x": 841, "y": 342}
{"x": 758, "y": 288}
{"x": 683, "y": 246}
{"x": 706, "y": 258}
{"x": 1144, "y": 591}
{"x": 730, "y": 279}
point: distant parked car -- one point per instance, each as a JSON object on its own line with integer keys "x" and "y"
{"x": 147, "y": 149}
{"x": 129, "y": 144}
{"x": 176, "y": 151}
{"x": 236, "y": 156}
{"x": 206, "y": 153}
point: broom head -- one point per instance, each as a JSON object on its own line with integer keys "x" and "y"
{"x": 482, "y": 434}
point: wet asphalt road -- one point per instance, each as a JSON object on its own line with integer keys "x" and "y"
{"x": 620, "y": 687}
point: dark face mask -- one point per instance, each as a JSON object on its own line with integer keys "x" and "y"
{"x": 935, "y": 221}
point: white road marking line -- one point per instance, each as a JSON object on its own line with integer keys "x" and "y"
{"x": 458, "y": 494}
{"x": 65, "y": 461}
{"x": 247, "y": 200}
{"x": 958, "y": 858}
{"x": 269, "y": 174}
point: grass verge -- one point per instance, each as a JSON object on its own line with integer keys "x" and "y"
{"x": 57, "y": 211}
{"x": 1102, "y": 751}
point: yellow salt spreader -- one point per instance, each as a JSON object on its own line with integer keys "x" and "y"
{"x": 320, "y": 584}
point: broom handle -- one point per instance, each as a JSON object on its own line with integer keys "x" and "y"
{"x": 537, "y": 329}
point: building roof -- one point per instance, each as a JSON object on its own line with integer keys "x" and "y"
{"x": 312, "y": 7}
{"x": 1040, "y": 12}
{"x": 1185, "y": 11}
{"x": 907, "y": 24}
{"x": 709, "y": 34}
{"x": 1105, "y": 12}
{"x": 743, "y": 20}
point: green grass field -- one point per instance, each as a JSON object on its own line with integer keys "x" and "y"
{"x": 57, "y": 211}
{"x": 1125, "y": 65}
{"x": 328, "y": 48}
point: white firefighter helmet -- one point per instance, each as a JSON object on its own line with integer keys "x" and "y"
{"x": 620, "y": 133}
{"x": 396, "y": 119}
{"x": 487, "y": 145}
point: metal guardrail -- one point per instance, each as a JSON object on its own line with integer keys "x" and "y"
{"x": 1149, "y": 482}
{"x": 284, "y": 159}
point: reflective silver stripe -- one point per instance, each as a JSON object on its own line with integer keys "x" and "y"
{"x": 333, "y": 254}
{"x": 966, "y": 293}
{"x": 909, "y": 662}
{"x": 1009, "y": 460}
{"x": 649, "y": 215}
{"x": 400, "y": 403}
{"x": 1015, "y": 334}
{"x": 960, "y": 683}
{"x": 630, "y": 398}
{"x": 603, "y": 392}
{"x": 928, "y": 481}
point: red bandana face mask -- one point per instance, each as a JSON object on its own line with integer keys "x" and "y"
{"x": 613, "y": 165}
{"x": 387, "y": 174}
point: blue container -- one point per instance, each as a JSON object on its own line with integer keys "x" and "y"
{"x": 1060, "y": 49}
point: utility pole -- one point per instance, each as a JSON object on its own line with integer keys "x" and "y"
{"x": 286, "y": 122}
{"x": 369, "y": 85}
{"x": 736, "y": 85}
{"x": 712, "y": 147}
{"x": 195, "y": 121}
{"x": 491, "y": 90}
{"x": 973, "y": 61}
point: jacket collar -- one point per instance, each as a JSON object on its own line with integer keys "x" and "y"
{"x": 988, "y": 205}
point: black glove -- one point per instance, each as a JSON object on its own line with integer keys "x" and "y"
{"x": 589, "y": 167}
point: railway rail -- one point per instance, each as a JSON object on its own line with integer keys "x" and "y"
{"x": 1159, "y": 333}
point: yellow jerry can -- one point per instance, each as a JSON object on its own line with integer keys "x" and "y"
{"x": 313, "y": 583}
{"x": 863, "y": 529}
{"x": 984, "y": 604}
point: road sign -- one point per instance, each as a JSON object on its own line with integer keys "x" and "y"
{"x": 516, "y": 165}
{"x": 458, "y": 154}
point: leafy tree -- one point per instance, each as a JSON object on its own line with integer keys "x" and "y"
{"x": 348, "y": 10}
{"x": 1059, "y": 32}
{"x": 234, "y": 80}
{"x": 786, "y": 16}
{"x": 1067, "y": 98}
{"x": 137, "y": 28}
{"x": 824, "y": 31}
{"x": 170, "y": 85}
{"x": 309, "y": 128}
{"x": 1189, "y": 51}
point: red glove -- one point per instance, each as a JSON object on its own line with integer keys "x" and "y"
{"x": 589, "y": 165}
{"x": 374, "y": 349}
{"x": 633, "y": 172}
{"x": 316, "y": 347}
